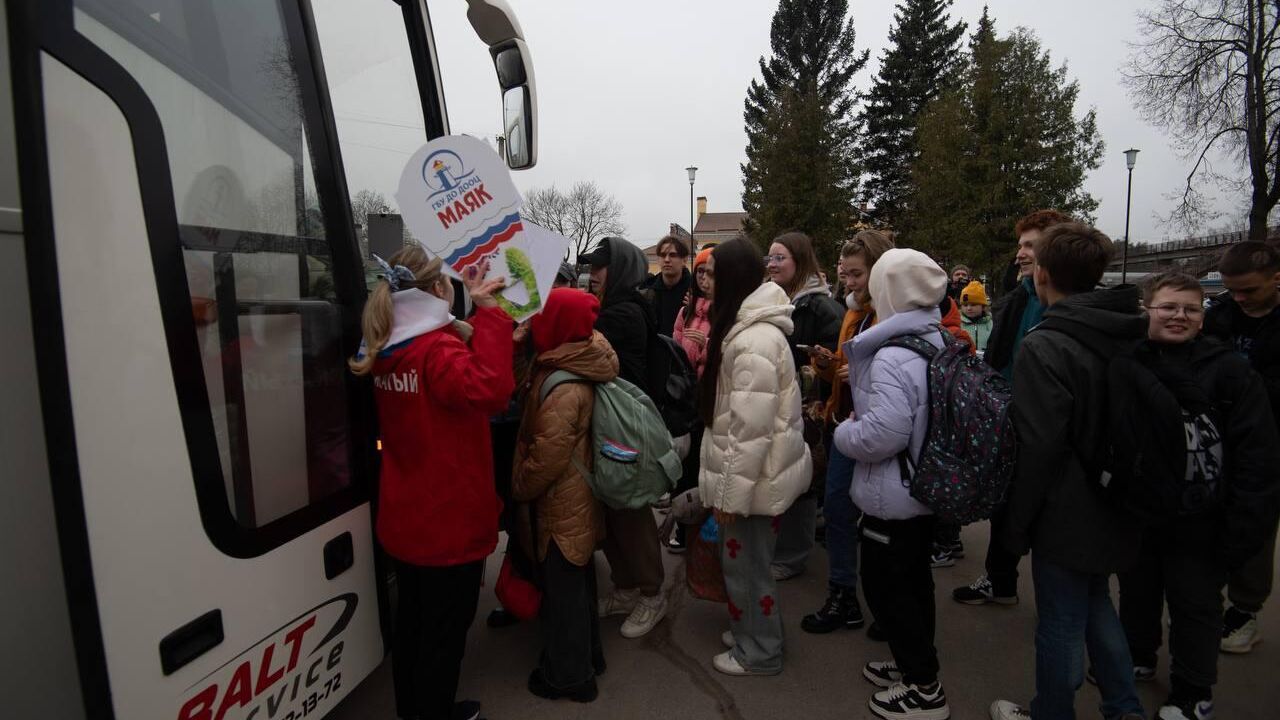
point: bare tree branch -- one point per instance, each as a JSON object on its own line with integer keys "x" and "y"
{"x": 1209, "y": 72}
{"x": 584, "y": 215}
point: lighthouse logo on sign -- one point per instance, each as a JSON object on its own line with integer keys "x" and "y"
{"x": 444, "y": 171}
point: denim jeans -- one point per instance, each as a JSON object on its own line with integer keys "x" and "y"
{"x": 841, "y": 517}
{"x": 1075, "y": 612}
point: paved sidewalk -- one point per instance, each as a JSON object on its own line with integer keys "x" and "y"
{"x": 986, "y": 653}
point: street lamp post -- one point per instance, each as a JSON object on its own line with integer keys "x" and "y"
{"x": 1130, "y": 159}
{"x": 693, "y": 244}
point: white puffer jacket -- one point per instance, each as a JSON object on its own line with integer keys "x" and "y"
{"x": 754, "y": 460}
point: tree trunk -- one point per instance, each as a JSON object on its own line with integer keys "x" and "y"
{"x": 1258, "y": 219}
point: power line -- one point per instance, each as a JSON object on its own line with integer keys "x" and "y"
{"x": 378, "y": 147}
{"x": 382, "y": 122}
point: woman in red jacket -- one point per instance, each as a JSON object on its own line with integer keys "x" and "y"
{"x": 436, "y": 381}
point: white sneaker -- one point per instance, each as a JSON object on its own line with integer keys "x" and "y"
{"x": 619, "y": 602}
{"x": 1241, "y": 639}
{"x": 726, "y": 637}
{"x": 1005, "y": 710}
{"x": 648, "y": 612}
{"x": 726, "y": 663}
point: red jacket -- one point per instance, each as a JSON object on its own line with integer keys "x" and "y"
{"x": 437, "y": 502}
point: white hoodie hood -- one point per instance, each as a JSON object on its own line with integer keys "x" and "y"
{"x": 415, "y": 312}
{"x": 903, "y": 280}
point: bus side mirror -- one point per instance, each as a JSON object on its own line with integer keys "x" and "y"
{"x": 519, "y": 104}
{"x": 497, "y": 26}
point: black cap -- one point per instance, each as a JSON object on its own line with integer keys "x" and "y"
{"x": 598, "y": 257}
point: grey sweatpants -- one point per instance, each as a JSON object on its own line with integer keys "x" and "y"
{"x": 746, "y": 552}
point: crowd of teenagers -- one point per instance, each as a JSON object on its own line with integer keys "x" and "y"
{"x": 813, "y": 415}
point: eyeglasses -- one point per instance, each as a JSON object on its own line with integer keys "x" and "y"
{"x": 700, "y": 271}
{"x": 1168, "y": 311}
{"x": 779, "y": 259}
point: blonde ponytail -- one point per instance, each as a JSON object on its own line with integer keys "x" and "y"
{"x": 378, "y": 316}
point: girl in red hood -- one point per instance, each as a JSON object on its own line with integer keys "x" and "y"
{"x": 554, "y": 432}
{"x": 436, "y": 382}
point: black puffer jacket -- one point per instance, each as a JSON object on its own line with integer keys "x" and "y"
{"x": 626, "y": 318}
{"x": 1264, "y": 357}
{"x": 1059, "y": 412}
{"x": 817, "y": 319}
{"x": 1251, "y": 498}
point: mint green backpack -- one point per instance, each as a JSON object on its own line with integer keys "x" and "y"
{"x": 635, "y": 460}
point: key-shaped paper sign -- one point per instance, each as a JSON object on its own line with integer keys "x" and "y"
{"x": 457, "y": 197}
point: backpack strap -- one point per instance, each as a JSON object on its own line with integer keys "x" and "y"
{"x": 926, "y": 350}
{"x": 555, "y": 379}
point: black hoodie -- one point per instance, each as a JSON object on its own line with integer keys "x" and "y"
{"x": 667, "y": 301}
{"x": 1059, "y": 412}
{"x": 626, "y": 319}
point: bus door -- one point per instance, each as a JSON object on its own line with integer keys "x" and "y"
{"x": 195, "y": 288}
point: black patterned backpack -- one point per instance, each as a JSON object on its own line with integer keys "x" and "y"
{"x": 970, "y": 450}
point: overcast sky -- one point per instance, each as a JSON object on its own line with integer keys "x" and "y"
{"x": 631, "y": 93}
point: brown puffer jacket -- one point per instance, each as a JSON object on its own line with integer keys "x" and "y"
{"x": 550, "y": 434}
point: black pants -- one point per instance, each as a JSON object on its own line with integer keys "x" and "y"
{"x": 436, "y": 607}
{"x": 1191, "y": 579}
{"x": 898, "y": 584}
{"x": 1002, "y": 565}
{"x": 571, "y": 647}
{"x": 946, "y": 533}
{"x": 689, "y": 476}
{"x": 502, "y": 436}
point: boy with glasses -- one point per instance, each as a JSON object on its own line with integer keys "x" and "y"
{"x": 1229, "y": 498}
{"x": 668, "y": 287}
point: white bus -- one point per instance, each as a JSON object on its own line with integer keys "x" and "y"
{"x": 185, "y": 505}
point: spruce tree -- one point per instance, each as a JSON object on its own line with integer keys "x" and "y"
{"x": 1006, "y": 142}
{"x": 922, "y": 61}
{"x": 801, "y": 170}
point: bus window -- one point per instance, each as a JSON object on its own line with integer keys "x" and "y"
{"x": 222, "y": 76}
{"x": 374, "y": 91}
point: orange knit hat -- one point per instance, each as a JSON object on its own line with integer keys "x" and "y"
{"x": 702, "y": 256}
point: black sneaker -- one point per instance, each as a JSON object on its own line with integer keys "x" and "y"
{"x": 911, "y": 702}
{"x": 583, "y": 693}
{"x": 980, "y": 592}
{"x": 882, "y": 674}
{"x": 877, "y": 633}
{"x": 941, "y": 557}
{"x": 676, "y": 544}
{"x": 1141, "y": 673}
{"x": 841, "y": 610}
{"x": 500, "y": 618}
{"x": 956, "y": 547}
{"x": 466, "y": 710}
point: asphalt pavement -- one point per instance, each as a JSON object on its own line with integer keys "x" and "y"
{"x": 986, "y": 652}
